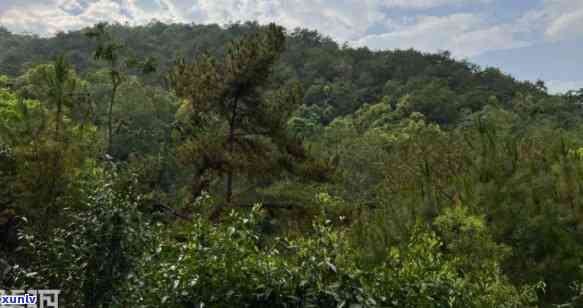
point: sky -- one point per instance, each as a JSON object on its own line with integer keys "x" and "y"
{"x": 529, "y": 39}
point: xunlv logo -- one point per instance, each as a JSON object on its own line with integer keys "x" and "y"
{"x": 26, "y": 299}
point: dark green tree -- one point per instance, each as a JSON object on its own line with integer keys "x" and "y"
{"x": 114, "y": 53}
{"x": 236, "y": 116}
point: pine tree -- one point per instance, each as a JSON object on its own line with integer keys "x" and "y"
{"x": 234, "y": 97}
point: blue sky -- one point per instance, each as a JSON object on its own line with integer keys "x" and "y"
{"x": 530, "y": 39}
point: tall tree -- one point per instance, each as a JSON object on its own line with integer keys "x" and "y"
{"x": 112, "y": 51}
{"x": 235, "y": 96}
{"x": 108, "y": 49}
{"x": 57, "y": 85}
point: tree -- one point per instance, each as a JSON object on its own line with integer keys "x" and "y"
{"x": 56, "y": 85}
{"x": 432, "y": 98}
{"x": 234, "y": 97}
{"x": 46, "y": 144}
{"x": 110, "y": 50}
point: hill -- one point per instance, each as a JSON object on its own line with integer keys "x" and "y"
{"x": 352, "y": 76}
{"x": 172, "y": 165}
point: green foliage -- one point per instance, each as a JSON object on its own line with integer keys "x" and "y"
{"x": 336, "y": 78}
{"x": 469, "y": 244}
{"x": 113, "y": 52}
{"x": 48, "y": 144}
{"x": 433, "y": 99}
{"x": 230, "y": 265}
{"x": 94, "y": 258}
{"x": 576, "y": 300}
{"x": 397, "y": 179}
{"x": 225, "y": 97}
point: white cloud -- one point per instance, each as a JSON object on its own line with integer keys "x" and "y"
{"x": 426, "y": 4}
{"x": 343, "y": 20}
{"x": 562, "y": 86}
{"x": 74, "y": 6}
{"x": 465, "y": 35}
{"x": 60, "y": 15}
{"x": 555, "y": 20}
{"x": 566, "y": 26}
{"x": 39, "y": 19}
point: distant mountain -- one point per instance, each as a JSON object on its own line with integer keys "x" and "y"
{"x": 341, "y": 77}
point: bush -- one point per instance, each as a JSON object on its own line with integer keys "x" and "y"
{"x": 228, "y": 265}
{"x": 95, "y": 257}
{"x": 110, "y": 255}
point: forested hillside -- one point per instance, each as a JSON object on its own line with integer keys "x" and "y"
{"x": 205, "y": 166}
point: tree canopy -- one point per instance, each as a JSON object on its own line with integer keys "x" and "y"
{"x": 172, "y": 165}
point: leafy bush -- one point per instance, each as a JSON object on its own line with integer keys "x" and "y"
{"x": 229, "y": 265}
{"x": 94, "y": 258}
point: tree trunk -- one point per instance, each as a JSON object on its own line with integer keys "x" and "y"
{"x": 56, "y": 161}
{"x": 230, "y": 148}
{"x": 110, "y": 116}
{"x": 59, "y": 120}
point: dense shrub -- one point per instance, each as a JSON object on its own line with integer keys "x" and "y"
{"x": 231, "y": 265}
